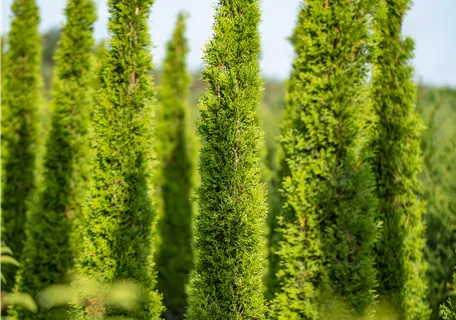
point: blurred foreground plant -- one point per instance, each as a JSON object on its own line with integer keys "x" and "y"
{"x": 337, "y": 307}
{"x": 15, "y": 298}
{"x": 93, "y": 296}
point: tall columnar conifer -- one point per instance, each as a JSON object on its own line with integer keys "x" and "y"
{"x": 119, "y": 217}
{"x": 227, "y": 283}
{"x": 48, "y": 250}
{"x": 327, "y": 225}
{"x": 175, "y": 152}
{"x": 398, "y": 161}
{"x": 20, "y": 103}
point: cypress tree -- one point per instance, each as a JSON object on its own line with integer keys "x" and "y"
{"x": 327, "y": 226}
{"x": 398, "y": 161}
{"x": 48, "y": 250}
{"x": 119, "y": 217}
{"x": 175, "y": 256}
{"x": 20, "y": 103}
{"x": 227, "y": 282}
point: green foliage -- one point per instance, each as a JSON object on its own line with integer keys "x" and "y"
{"x": 20, "y": 103}
{"x": 16, "y": 298}
{"x": 448, "y": 310}
{"x": 119, "y": 217}
{"x": 48, "y": 250}
{"x": 398, "y": 161}
{"x": 175, "y": 256}
{"x": 438, "y": 109}
{"x": 327, "y": 226}
{"x": 227, "y": 282}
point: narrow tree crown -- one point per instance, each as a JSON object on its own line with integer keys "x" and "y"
{"x": 229, "y": 225}
{"x": 119, "y": 218}
{"x": 398, "y": 162}
{"x": 176, "y": 152}
{"x": 327, "y": 225}
{"x": 21, "y": 83}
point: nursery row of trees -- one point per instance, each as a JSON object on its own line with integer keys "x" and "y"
{"x": 108, "y": 189}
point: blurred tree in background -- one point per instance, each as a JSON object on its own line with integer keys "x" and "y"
{"x": 21, "y": 85}
{"x": 49, "y": 39}
{"x": 271, "y": 113}
{"x": 98, "y": 57}
{"x": 176, "y": 153}
{"x": 51, "y": 226}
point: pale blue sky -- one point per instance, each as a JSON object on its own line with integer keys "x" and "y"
{"x": 431, "y": 23}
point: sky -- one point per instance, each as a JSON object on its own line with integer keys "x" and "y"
{"x": 431, "y": 24}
